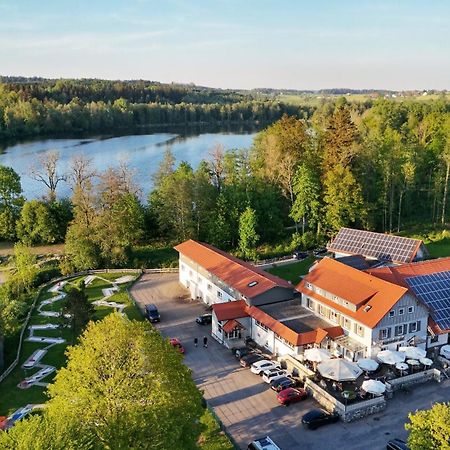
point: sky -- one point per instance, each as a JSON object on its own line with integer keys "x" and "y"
{"x": 289, "y": 44}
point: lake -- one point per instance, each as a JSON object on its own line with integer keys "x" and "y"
{"x": 142, "y": 152}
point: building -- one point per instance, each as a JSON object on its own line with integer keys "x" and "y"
{"x": 281, "y": 328}
{"x": 214, "y": 276}
{"x": 429, "y": 283}
{"x": 374, "y": 313}
{"x": 385, "y": 248}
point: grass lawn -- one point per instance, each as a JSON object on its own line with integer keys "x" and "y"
{"x": 293, "y": 272}
{"x": 213, "y": 438}
{"x": 439, "y": 248}
{"x": 11, "y": 397}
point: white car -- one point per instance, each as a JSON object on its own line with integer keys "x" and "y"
{"x": 272, "y": 374}
{"x": 260, "y": 366}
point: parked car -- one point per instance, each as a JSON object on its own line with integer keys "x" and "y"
{"x": 264, "y": 443}
{"x": 319, "y": 251}
{"x": 282, "y": 383}
{"x": 273, "y": 374}
{"x": 152, "y": 313}
{"x": 291, "y": 395}
{"x": 259, "y": 367}
{"x": 397, "y": 444}
{"x": 318, "y": 417}
{"x": 242, "y": 351}
{"x": 204, "y": 319}
{"x": 299, "y": 255}
{"x": 248, "y": 360}
{"x": 175, "y": 343}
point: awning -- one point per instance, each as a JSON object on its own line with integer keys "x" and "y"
{"x": 231, "y": 325}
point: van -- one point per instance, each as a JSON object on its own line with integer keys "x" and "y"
{"x": 152, "y": 313}
{"x": 264, "y": 443}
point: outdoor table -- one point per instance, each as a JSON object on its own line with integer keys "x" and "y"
{"x": 401, "y": 367}
{"x": 413, "y": 363}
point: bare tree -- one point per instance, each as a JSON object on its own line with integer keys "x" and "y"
{"x": 216, "y": 165}
{"x": 46, "y": 172}
{"x": 81, "y": 171}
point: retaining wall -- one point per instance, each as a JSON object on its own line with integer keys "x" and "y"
{"x": 414, "y": 378}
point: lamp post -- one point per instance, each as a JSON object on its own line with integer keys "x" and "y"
{"x": 346, "y": 396}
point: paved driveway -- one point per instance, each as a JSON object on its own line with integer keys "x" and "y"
{"x": 246, "y": 406}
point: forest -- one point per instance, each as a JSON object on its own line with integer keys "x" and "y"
{"x": 40, "y": 107}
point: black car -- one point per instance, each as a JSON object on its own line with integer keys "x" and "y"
{"x": 317, "y": 418}
{"x": 280, "y": 384}
{"x": 152, "y": 313}
{"x": 241, "y": 352}
{"x": 397, "y": 444}
{"x": 319, "y": 251}
{"x": 300, "y": 255}
{"x": 247, "y": 361}
{"x": 204, "y": 319}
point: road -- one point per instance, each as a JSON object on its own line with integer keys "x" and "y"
{"x": 247, "y": 407}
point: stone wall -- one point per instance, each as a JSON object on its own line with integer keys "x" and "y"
{"x": 295, "y": 367}
{"x": 415, "y": 378}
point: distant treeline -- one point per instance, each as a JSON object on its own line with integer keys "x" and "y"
{"x": 32, "y": 107}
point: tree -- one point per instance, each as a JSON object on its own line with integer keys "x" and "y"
{"x": 47, "y": 173}
{"x": 430, "y": 429}
{"x": 343, "y": 202}
{"x": 11, "y": 201}
{"x": 76, "y": 310}
{"x": 216, "y": 165}
{"x": 25, "y": 269}
{"x": 36, "y": 224}
{"x": 124, "y": 387}
{"x": 306, "y": 205}
{"x": 248, "y": 237}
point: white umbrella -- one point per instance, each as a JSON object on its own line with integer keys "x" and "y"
{"x": 373, "y": 387}
{"x": 401, "y": 366}
{"x": 390, "y": 357}
{"x": 412, "y": 362}
{"x": 413, "y": 352}
{"x": 317, "y": 354}
{"x": 339, "y": 370}
{"x": 445, "y": 351}
{"x": 426, "y": 361}
{"x": 367, "y": 364}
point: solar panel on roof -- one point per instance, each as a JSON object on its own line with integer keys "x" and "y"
{"x": 383, "y": 247}
{"x": 434, "y": 291}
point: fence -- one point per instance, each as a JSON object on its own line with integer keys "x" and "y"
{"x": 414, "y": 378}
{"x": 162, "y": 270}
{"x": 13, "y": 365}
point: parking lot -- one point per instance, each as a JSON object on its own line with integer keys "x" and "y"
{"x": 247, "y": 406}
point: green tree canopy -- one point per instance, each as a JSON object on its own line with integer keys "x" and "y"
{"x": 430, "y": 429}
{"x": 124, "y": 387}
{"x": 11, "y": 201}
{"x": 248, "y": 237}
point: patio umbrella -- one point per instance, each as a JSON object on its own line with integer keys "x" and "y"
{"x": 445, "y": 351}
{"x": 401, "y": 366}
{"x": 339, "y": 370}
{"x": 367, "y": 364}
{"x": 317, "y": 354}
{"x": 373, "y": 387}
{"x": 426, "y": 361}
{"x": 413, "y": 352}
{"x": 412, "y": 362}
{"x": 390, "y": 357}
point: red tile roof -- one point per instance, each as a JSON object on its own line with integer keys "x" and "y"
{"x": 230, "y": 325}
{"x": 237, "y": 309}
{"x": 230, "y": 310}
{"x": 435, "y": 328}
{"x": 234, "y": 272}
{"x": 333, "y": 276}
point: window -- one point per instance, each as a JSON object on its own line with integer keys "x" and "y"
{"x": 261, "y": 325}
{"x": 308, "y": 286}
{"x": 414, "y": 327}
{"x": 310, "y": 303}
{"x": 410, "y": 309}
{"x": 235, "y": 334}
{"x": 385, "y": 333}
{"x": 334, "y": 317}
{"x": 434, "y": 339}
{"x": 321, "y": 310}
{"x": 400, "y": 330}
{"x": 401, "y": 311}
{"x": 183, "y": 267}
{"x": 219, "y": 294}
{"x": 360, "y": 331}
{"x": 346, "y": 324}
{"x": 392, "y": 313}
{"x": 190, "y": 273}
{"x": 209, "y": 287}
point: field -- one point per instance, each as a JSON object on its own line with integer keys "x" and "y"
{"x": 293, "y": 272}
{"x": 12, "y": 397}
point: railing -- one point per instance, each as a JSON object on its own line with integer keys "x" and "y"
{"x": 162, "y": 270}
{"x": 263, "y": 262}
